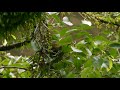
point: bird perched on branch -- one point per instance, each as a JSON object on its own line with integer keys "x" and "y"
{"x": 55, "y": 46}
{"x": 56, "y": 50}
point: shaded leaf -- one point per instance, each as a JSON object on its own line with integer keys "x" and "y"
{"x": 77, "y": 63}
{"x": 115, "y": 45}
{"x": 71, "y": 75}
{"x": 66, "y": 40}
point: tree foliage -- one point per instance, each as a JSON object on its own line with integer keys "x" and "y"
{"x": 63, "y": 50}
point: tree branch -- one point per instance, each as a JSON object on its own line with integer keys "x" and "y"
{"x": 102, "y": 20}
{"x": 12, "y": 46}
{"x": 12, "y": 67}
{"x": 106, "y": 22}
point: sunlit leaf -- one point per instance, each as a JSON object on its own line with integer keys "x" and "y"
{"x": 83, "y": 42}
{"x": 75, "y": 49}
{"x": 21, "y": 70}
{"x": 86, "y": 22}
{"x": 5, "y": 42}
{"x": 5, "y": 62}
{"x": 104, "y": 65}
{"x": 11, "y": 74}
{"x": 66, "y": 21}
{"x": 10, "y": 62}
{"x": 62, "y": 72}
{"x": 17, "y": 58}
{"x": 72, "y": 30}
{"x": 1, "y": 70}
{"x": 52, "y": 13}
{"x": 13, "y": 37}
{"x": 97, "y": 42}
{"x": 10, "y": 56}
{"x": 110, "y": 64}
{"x": 89, "y": 52}
{"x": 57, "y": 35}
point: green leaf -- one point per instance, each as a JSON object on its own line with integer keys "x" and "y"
{"x": 75, "y": 49}
{"x": 66, "y": 40}
{"x": 86, "y": 72}
{"x": 98, "y": 74}
{"x": 57, "y": 18}
{"x": 71, "y": 75}
{"x": 62, "y": 72}
{"x": 21, "y": 65}
{"x": 115, "y": 45}
{"x": 96, "y": 51}
{"x": 66, "y": 21}
{"x": 101, "y": 39}
{"x": 83, "y": 27}
{"x": 13, "y": 37}
{"x": 88, "y": 63}
{"x": 83, "y": 54}
{"x": 97, "y": 62}
{"x": 92, "y": 74}
{"x": 60, "y": 65}
{"x": 110, "y": 64}
{"x": 113, "y": 52}
{"x": 71, "y": 30}
{"x": 86, "y": 22}
{"x": 5, "y": 42}
{"x": 66, "y": 48}
{"x": 80, "y": 35}
{"x": 25, "y": 74}
{"x": 107, "y": 65}
{"x": 55, "y": 37}
{"x": 51, "y": 13}
{"x": 5, "y": 62}
{"x": 63, "y": 31}
{"x": 89, "y": 52}
{"x": 77, "y": 63}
